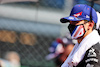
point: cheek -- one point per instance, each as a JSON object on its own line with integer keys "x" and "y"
{"x": 86, "y": 27}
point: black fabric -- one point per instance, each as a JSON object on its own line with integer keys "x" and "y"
{"x": 99, "y": 30}
{"x": 71, "y": 28}
{"x": 92, "y": 57}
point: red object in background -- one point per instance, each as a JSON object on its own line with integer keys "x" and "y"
{"x": 59, "y": 40}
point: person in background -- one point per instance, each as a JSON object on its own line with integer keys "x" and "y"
{"x": 82, "y": 27}
{"x": 14, "y": 58}
{"x": 59, "y": 50}
{"x": 68, "y": 47}
{"x": 11, "y": 59}
{"x": 55, "y": 49}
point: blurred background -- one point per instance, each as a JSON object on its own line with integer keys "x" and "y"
{"x": 28, "y": 28}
